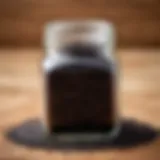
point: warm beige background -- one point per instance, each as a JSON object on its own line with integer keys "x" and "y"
{"x": 21, "y": 24}
{"x": 137, "y": 21}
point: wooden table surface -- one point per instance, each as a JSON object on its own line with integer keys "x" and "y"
{"x": 139, "y": 95}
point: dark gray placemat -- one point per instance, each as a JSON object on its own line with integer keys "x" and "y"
{"x": 132, "y": 133}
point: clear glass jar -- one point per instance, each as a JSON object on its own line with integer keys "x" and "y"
{"x": 80, "y": 81}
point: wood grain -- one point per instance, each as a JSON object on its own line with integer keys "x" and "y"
{"x": 20, "y": 100}
{"x": 137, "y": 22}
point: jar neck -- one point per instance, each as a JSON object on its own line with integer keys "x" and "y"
{"x": 63, "y": 34}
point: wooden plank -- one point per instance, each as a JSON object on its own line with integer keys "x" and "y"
{"x": 22, "y": 21}
{"x": 20, "y": 102}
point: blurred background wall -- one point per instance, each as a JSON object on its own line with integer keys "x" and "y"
{"x": 137, "y": 21}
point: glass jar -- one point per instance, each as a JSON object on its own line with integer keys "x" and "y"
{"x": 80, "y": 81}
